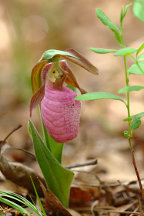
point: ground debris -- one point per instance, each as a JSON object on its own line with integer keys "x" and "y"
{"x": 114, "y": 199}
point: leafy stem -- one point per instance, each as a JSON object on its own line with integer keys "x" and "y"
{"x": 133, "y": 123}
{"x": 127, "y": 85}
{"x": 128, "y": 108}
{"x": 128, "y": 100}
{"x": 130, "y": 129}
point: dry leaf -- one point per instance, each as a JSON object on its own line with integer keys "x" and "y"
{"x": 20, "y": 175}
{"x": 52, "y": 203}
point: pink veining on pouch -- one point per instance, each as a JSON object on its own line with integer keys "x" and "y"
{"x": 61, "y": 113}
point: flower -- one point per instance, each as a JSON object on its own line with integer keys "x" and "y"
{"x": 60, "y": 112}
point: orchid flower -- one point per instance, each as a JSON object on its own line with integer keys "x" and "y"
{"x": 60, "y": 112}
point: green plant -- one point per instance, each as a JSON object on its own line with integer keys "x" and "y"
{"x": 60, "y": 115}
{"x": 49, "y": 151}
{"x": 138, "y": 9}
{"x": 134, "y": 122}
{"x": 10, "y": 199}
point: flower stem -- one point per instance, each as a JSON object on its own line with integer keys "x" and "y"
{"x": 130, "y": 130}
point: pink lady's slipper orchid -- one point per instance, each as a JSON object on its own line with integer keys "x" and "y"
{"x": 60, "y": 112}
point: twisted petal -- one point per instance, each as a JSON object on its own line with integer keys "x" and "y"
{"x": 81, "y": 61}
{"x": 39, "y": 75}
{"x": 36, "y": 79}
{"x": 70, "y": 79}
{"x": 36, "y": 98}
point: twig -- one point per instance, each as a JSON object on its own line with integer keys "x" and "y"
{"x": 140, "y": 206}
{"x": 20, "y": 175}
{"x": 105, "y": 209}
{"x": 94, "y": 162}
{"x": 120, "y": 212}
{"x": 25, "y": 151}
{"x": 125, "y": 184}
{"x": 137, "y": 173}
{"x": 4, "y": 140}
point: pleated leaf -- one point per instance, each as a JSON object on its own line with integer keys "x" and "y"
{"x": 58, "y": 178}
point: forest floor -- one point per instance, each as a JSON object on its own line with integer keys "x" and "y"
{"x": 110, "y": 186}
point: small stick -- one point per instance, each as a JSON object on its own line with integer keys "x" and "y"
{"x": 137, "y": 173}
{"x": 23, "y": 150}
{"x": 4, "y": 140}
{"x": 94, "y": 162}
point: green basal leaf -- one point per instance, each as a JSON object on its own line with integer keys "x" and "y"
{"x": 130, "y": 88}
{"x": 49, "y": 54}
{"x": 135, "y": 123}
{"x": 139, "y": 115}
{"x": 56, "y": 148}
{"x": 140, "y": 49}
{"x": 29, "y": 131}
{"x": 58, "y": 178}
{"x": 102, "y": 51}
{"x": 138, "y": 9}
{"x": 137, "y": 69}
{"x": 125, "y": 51}
{"x": 97, "y": 96}
{"x": 46, "y": 135}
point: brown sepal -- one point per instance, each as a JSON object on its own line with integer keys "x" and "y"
{"x": 36, "y": 75}
{"x": 81, "y": 61}
{"x": 37, "y": 98}
{"x": 70, "y": 78}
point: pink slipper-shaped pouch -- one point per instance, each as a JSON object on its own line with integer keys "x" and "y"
{"x": 61, "y": 113}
